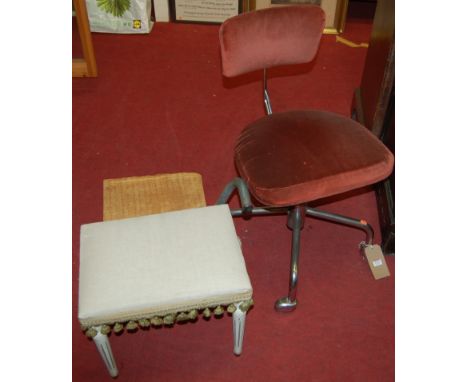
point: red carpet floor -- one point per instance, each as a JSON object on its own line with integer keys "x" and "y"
{"x": 161, "y": 105}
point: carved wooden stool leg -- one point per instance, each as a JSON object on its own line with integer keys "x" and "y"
{"x": 238, "y": 325}
{"x": 104, "y": 348}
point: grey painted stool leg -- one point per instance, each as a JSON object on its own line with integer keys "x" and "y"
{"x": 238, "y": 326}
{"x": 296, "y": 223}
{"x": 104, "y": 348}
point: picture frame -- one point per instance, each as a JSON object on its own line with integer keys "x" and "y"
{"x": 203, "y": 11}
{"x": 335, "y": 11}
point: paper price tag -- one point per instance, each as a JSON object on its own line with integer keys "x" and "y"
{"x": 376, "y": 260}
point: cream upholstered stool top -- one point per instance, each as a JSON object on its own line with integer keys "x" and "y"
{"x": 160, "y": 269}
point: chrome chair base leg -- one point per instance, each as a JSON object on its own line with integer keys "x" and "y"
{"x": 296, "y": 223}
{"x": 285, "y": 305}
{"x": 351, "y": 222}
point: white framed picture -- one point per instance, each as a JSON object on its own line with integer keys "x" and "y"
{"x": 212, "y": 11}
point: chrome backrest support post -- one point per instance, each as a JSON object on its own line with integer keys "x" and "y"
{"x": 266, "y": 97}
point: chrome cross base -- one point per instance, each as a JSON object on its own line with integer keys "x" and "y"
{"x": 296, "y": 218}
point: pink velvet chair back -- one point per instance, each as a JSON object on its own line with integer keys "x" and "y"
{"x": 270, "y": 37}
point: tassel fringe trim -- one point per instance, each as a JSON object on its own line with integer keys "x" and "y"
{"x": 167, "y": 320}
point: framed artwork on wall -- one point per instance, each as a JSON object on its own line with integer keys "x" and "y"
{"x": 217, "y": 11}
{"x": 212, "y": 11}
{"x": 335, "y": 10}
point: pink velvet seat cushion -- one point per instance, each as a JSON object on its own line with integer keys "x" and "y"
{"x": 270, "y": 37}
{"x": 295, "y": 157}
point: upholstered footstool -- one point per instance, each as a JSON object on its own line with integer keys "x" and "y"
{"x": 159, "y": 270}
